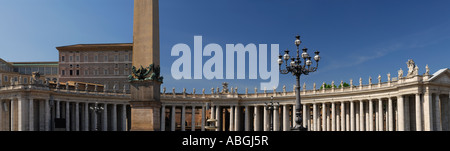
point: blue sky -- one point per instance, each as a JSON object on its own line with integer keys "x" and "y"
{"x": 357, "y": 38}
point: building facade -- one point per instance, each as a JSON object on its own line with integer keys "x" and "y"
{"x": 403, "y": 103}
{"x": 106, "y": 64}
{"x": 21, "y": 72}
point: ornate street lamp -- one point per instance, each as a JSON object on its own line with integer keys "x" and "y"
{"x": 270, "y": 108}
{"x": 97, "y": 110}
{"x": 297, "y": 69}
{"x": 211, "y": 122}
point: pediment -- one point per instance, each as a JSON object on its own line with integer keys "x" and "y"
{"x": 442, "y": 76}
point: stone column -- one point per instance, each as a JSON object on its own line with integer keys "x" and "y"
{"x": 390, "y": 115}
{"x": 183, "y": 118}
{"x": 114, "y": 117}
{"x": 418, "y": 113}
{"x": 338, "y": 117}
{"x": 203, "y": 117}
{"x": 324, "y": 118}
{"x": 333, "y": 116}
{"x": 163, "y": 117}
{"x": 437, "y": 113}
{"x": 30, "y": 114}
{"x": 21, "y": 114}
{"x": 401, "y": 113}
{"x": 407, "y": 115}
{"x": 105, "y": 118}
{"x": 124, "y": 118}
{"x": 316, "y": 126}
{"x": 68, "y": 116}
{"x": 370, "y": 118}
{"x": 361, "y": 116}
{"x": 247, "y": 118}
{"x": 193, "y": 118}
{"x": 237, "y": 118}
{"x": 77, "y": 118}
{"x": 380, "y": 115}
{"x": 343, "y": 116}
{"x": 276, "y": 118}
{"x": 58, "y": 112}
{"x": 94, "y": 120}
{"x": 172, "y": 119}
{"x": 86, "y": 117}
{"x": 266, "y": 120}
{"x": 12, "y": 114}
{"x": 352, "y": 116}
{"x": 286, "y": 117}
{"x": 376, "y": 115}
{"x": 356, "y": 104}
{"x": 257, "y": 119}
{"x": 347, "y": 117}
{"x": 327, "y": 109}
{"x": 219, "y": 118}
{"x": 232, "y": 118}
{"x": 47, "y": 115}
{"x": 304, "y": 121}
{"x": 427, "y": 111}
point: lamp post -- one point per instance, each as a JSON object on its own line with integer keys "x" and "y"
{"x": 270, "y": 107}
{"x": 297, "y": 69}
{"x": 211, "y": 122}
{"x": 96, "y": 109}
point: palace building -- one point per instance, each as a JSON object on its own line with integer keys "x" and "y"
{"x": 106, "y": 64}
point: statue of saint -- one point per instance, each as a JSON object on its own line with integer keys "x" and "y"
{"x": 379, "y": 78}
{"x": 400, "y": 73}
{"x": 412, "y": 68}
{"x": 427, "y": 70}
{"x": 389, "y": 76}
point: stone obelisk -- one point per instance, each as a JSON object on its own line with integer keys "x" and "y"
{"x": 145, "y": 86}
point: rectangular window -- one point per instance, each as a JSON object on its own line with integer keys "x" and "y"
{"x": 86, "y": 72}
{"x": 105, "y": 72}
{"x": 116, "y": 58}
{"x": 70, "y": 58}
{"x": 96, "y": 58}
{"x": 62, "y": 58}
{"x": 116, "y": 66}
{"x": 71, "y": 72}
{"x": 126, "y": 58}
{"x": 6, "y": 79}
{"x": 63, "y": 72}
{"x": 78, "y": 72}
{"x": 95, "y": 72}
{"x": 48, "y": 70}
{"x": 54, "y": 70}
{"x": 86, "y": 59}
{"x": 126, "y": 65}
{"x": 25, "y": 80}
{"x": 77, "y": 58}
{"x": 105, "y": 59}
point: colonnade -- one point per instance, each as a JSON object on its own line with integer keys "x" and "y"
{"x": 405, "y": 112}
{"x": 38, "y": 114}
{"x": 411, "y": 112}
{"x": 229, "y": 117}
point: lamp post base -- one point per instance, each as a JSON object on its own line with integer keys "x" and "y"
{"x": 299, "y": 128}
